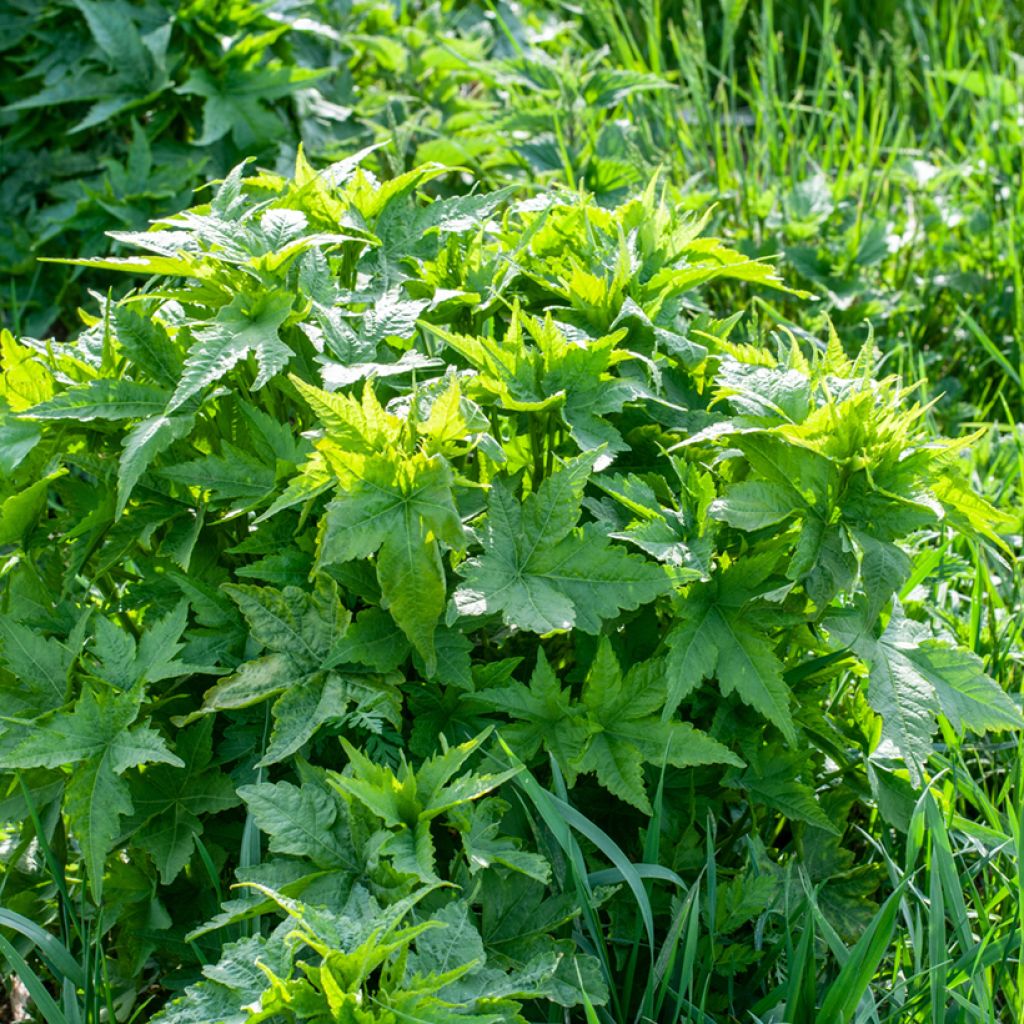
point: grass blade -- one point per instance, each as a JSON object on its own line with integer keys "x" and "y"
{"x": 54, "y": 952}
{"x": 44, "y": 1002}
{"x": 850, "y": 985}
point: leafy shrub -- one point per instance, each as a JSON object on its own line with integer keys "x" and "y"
{"x": 487, "y": 489}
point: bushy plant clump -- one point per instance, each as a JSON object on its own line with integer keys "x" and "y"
{"x": 453, "y": 575}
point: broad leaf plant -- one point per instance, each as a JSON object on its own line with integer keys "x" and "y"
{"x": 365, "y": 509}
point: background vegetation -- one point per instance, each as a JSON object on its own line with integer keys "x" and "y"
{"x": 872, "y": 152}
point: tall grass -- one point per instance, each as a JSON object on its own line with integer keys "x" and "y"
{"x": 944, "y": 946}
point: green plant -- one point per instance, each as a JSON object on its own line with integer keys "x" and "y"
{"x": 881, "y": 167}
{"x": 113, "y": 112}
{"x": 367, "y": 466}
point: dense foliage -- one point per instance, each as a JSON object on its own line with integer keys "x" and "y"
{"x": 445, "y": 577}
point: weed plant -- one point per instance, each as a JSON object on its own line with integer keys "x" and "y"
{"x": 538, "y": 542}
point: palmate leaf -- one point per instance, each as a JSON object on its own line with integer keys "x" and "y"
{"x": 122, "y": 661}
{"x": 400, "y": 508}
{"x": 118, "y": 38}
{"x": 742, "y": 658}
{"x": 580, "y": 370}
{"x": 441, "y": 950}
{"x": 231, "y": 984}
{"x": 300, "y": 625}
{"x": 913, "y": 677}
{"x": 40, "y": 667}
{"x": 772, "y": 779}
{"x": 568, "y": 375}
{"x": 354, "y": 943}
{"x": 355, "y": 953}
{"x": 99, "y": 738}
{"x": 392, "y": 501}
{"x": 407, "y": 228}
{"x": 173, "y": 801}
{"x": 301, "y": 821}
{"x": 541, "y": 573}
{"x": 237, "y": 101}
{"x": 301, "y": 630}
{"x": 713, "y": 637}
{"x": 388, "y": 495}
{"x": 302, "y": 703}
{"x": 517, "y": 921}
{"x": 625, "y": 730}
{"x": 544, "y": 715}
{"x": 248, "y": 324}
{"x": 479, "y": 826}
{"x": 612, "y": 731}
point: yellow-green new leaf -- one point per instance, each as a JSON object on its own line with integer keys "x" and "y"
{"x": 401, "y": 508}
